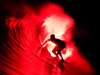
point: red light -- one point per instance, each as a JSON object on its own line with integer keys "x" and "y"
{"x": 27, "y": 33}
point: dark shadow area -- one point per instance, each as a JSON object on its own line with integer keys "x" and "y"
{"x": 87, "y": 36}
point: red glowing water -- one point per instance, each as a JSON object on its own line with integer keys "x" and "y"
{"x": 27, "y": 33}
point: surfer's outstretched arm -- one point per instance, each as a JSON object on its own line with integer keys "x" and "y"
{"x": 44, "y": 43}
